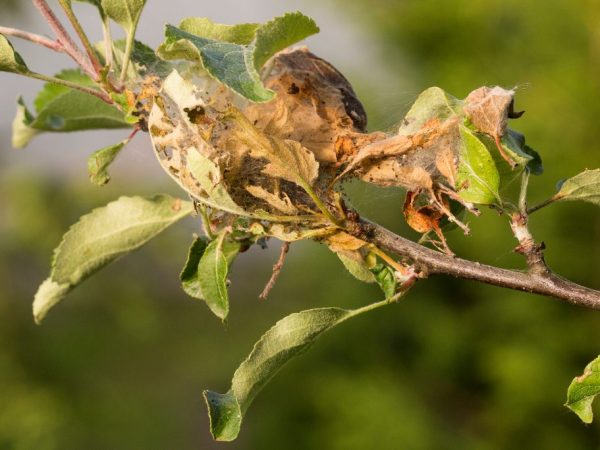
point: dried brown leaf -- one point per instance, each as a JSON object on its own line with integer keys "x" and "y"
{"x": 392, "y": 172}
{"x": 446, "y": 163}
{"x": 344, "y": 242}
{"x": 488, "y": 109}
{"x": 407, "y": 160}
{"x": 281, "y": 203}
{"x": 315, "y": 104}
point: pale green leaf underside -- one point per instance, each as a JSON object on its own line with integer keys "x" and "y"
{"x": 279, "y": 33}
{"x": 10, "y": 60}
{"x": 289, "y": 338}
{"x": 125, "y": 12}
{"x": 102, "y": 236}
{"x": 241, "y": 34}
{"x": 356, "y": 267}
{"x": 99, "y": 162}
{"x": 584, "y": 186}
{"x": 478, "y": 180}
{"x": 583, "y": 390}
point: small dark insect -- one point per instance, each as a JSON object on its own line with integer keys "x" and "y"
{"x": 293, "y": 89}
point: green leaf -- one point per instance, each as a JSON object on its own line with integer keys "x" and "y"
{"x": 583, "y": 390}
{"x": 385, "y": 278}
{"x": 102, "y": 236}
{"x": 235, "y": 54}
{"x": 289, "y": 338}
{"x": 125, "y": 12}
{"x": 279, "y": 33}
{"x": 242, "y": 34}
{"x": 433, "y": 103}
{"x": 10, "y": 60}
{"x": 143, "y": 58}
{"x": 231, "y": 64}
{"x": 478, "y": 180}
{"x": 356, "y": 265}
{"x": 61, "y": 109}
{"x": 22, "y": 132}
{"x": 584, "y": 186}
{"x": 99, "y": 162}
{"x": 535, "y": 166}
{"x": 189, "y": 274}
{"x": 213, "y": 268}
{"x": 513, "y": 144}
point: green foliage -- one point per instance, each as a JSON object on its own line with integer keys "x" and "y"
{"x": 102, "y": 236}
{"x": 288, "y": 338}
{"x": 62, "y": 109}
{"x": 125, "y": 12}
{"x": 583, "y": 390}
{"x": 204, "y": 275}
{"x": 10, "y": 60}
{"x": 205, "y": 141}
{"x": 100, "y": 160}
{"x": 227, "y": 53}
{"x": 477, "y": 171}
{"x": 584, "y": 186}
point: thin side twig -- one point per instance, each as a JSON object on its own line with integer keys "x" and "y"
{"x": 32, "y": 37}
{"x": 63, "y": 37}
{"x": 285, "y": 247}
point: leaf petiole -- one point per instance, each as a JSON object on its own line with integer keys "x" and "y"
{"x": 95, "y": 92}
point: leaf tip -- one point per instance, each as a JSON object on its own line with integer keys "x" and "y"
{"x": 47, "y": 296}
{"x": 224, "y": 414}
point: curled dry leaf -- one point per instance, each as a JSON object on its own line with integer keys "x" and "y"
{"x": 489, "y": 109}
{"x": 344, "y": 242}
{"x": 281, "y": 203}
{"x": 315, "y": 106}
{"x": 426, "y": 218}
{"x": 409, "y": 161}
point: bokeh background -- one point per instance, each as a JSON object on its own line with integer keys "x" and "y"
{"x": 122, "y": 363}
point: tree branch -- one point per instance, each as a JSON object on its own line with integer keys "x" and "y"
{"x": 431, "y": 262}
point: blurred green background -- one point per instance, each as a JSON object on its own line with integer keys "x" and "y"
{"x": 458, "y": 365}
